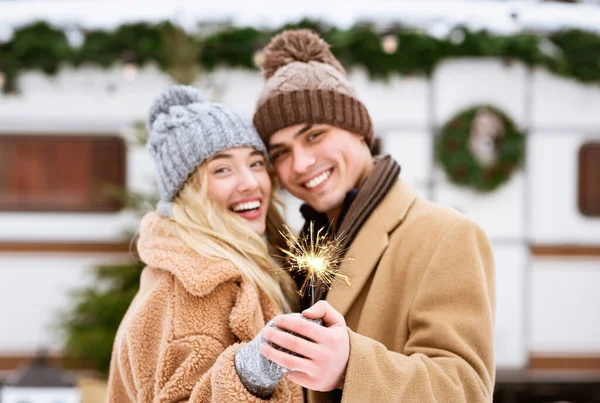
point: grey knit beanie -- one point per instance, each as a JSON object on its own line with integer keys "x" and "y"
{"x": 184, "y": 130}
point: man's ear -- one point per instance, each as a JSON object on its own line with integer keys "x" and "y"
{"x": 275, "y": 182}
{"x": 376, "y": 147}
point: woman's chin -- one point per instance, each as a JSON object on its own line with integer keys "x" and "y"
{"x": 257, "y": 226}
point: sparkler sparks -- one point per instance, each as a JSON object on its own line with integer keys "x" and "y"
{"x": 316, "y": 255}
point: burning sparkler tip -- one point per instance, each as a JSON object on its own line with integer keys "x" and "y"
{"x": 318, "y": 256}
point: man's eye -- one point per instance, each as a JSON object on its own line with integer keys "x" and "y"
{"x": 276, "y": 155}
{"x": 313, "y": 136}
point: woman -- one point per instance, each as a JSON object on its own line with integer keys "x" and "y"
{"x": 210, "y": 286}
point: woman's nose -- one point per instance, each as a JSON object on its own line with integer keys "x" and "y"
{"x": 247, "y": 181}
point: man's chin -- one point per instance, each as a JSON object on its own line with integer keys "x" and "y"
{"x": 321, "y": 204}
{"x": 324, "y": 207}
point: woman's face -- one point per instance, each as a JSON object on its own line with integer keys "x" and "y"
{"x": 239, "y": 182}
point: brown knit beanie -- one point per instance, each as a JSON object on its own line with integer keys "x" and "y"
{"x": 305, "y": 83}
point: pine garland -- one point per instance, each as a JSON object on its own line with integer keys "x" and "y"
{"x": 39, "y": 46}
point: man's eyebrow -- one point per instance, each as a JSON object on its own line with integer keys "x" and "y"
{"x": 303, "y": 130}
{"x": 298, "y": 133}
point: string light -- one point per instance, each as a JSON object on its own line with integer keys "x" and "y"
{"x": 258, "y": 58}
{"x": 75, "y": 37}
{"x": 130, "y": 71}
{"x": 457, "y": 36}
{"x": 389, "y": 44}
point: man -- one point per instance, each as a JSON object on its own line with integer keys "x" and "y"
{"x": 416, "y": 324}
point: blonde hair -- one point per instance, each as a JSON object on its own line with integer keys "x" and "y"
{"x": 215, "y": 232}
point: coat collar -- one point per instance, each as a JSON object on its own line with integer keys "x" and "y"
{"x": 369, "y": 244}
{"x": 160, "y": 246}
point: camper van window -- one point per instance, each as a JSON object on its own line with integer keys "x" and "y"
{"x": 589, "y": 179}
{"x": 73, "y": 173}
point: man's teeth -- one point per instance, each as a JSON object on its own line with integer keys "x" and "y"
{"x": 318, "y": 180}
{"x": 246, "y": 206}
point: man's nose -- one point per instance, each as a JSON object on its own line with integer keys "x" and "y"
{"x": 303, "y": 160}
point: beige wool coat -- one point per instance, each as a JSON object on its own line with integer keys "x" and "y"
{"x": 178, "y": 339}
{"x": 420, "y": 309}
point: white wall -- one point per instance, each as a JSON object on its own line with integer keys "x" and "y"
{"x": 511, "y": 318}
{"x": 414, "y": 152}
{"x": 40, "y": 395}
{"x": 565, "y": 306}
{"x": 553, "y": 163}
{"x": 561, "y": 104}
{"x": 461, "y": 83}
{"x": 564, "y": 116}
{"x": 87, "y": 99}
{"x": 33, "y": 290}
{"x": 398, "y": 102}
{"x": 500, "y": 213}
{"x": 563, "y": 300}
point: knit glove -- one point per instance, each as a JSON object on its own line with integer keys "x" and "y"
{"x": 259, "y": 375}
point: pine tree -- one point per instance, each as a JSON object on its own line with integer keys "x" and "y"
{"x": 97, "y": 310}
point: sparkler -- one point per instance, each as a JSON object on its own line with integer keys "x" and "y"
{"x": 318, "y": 256}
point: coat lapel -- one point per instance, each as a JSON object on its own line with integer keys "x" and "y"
{"x": 369, "y": 244}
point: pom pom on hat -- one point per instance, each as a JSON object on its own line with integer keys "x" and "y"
{"x": 182, "y": 95}
{"x": 300, "y": 45}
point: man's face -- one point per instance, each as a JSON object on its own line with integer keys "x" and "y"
{"x": 319, "y": 163}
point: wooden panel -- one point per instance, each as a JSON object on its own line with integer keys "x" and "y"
{"x": 17, "y": 362}
{"x": 545, "y": 386}
{"x": 61, "y": 173}
{"x": 565, "y": 250}
{"x": 589, "y": 180}
{"x": 64, "y": 247}
{"x": 540, "y": 361}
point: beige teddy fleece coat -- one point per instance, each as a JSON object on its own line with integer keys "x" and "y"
{"x": 178, "y": 339}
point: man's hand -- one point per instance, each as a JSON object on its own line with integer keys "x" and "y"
{"x": 324, "y": 357}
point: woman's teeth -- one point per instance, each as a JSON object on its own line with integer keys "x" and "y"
{"x": 318, "y": 180}
{"x": 246, "y": 206}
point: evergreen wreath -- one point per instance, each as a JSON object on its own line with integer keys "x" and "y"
{"x": 480, "y": 148}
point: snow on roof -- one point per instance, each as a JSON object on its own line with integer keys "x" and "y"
{"x": 435, "y": 16}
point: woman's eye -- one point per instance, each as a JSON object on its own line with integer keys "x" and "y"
{"x": 221, "y": 170}
{"x": 260, "y": 163}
